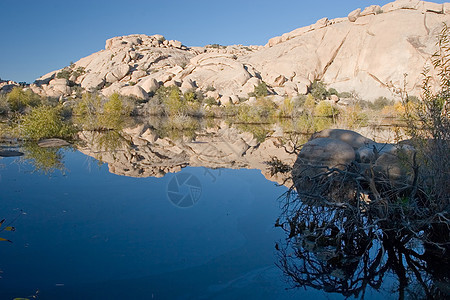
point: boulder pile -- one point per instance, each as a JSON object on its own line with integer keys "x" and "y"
{"x": 368, "y": 52}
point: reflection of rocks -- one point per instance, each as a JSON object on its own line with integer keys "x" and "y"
{"x": 141, "y": 153}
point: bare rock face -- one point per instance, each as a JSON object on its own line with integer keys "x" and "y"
{"x": 367, "y": 52}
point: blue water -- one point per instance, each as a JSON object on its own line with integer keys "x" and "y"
{"x": 85, "y": 233}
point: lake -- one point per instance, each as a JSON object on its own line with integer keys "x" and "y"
{"x": 150, "y": 217}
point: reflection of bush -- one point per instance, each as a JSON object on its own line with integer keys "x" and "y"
{"x": 178, "y": 126}
{"x": 341, "y": 249}
{"x": 45, "y": 160}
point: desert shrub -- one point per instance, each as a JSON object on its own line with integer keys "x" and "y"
{"x": 18, "y": 99}
{"x": 260, "y": 90}
{"x": 64, "y": 73}
{"x": 353, "y": 117}
{"x": 210, "y": 101}
{"x": 345, "y": 95}
{"x": 428, "y": 123}
{"x": 173, "y": 103}
{"x": 333, "y": 91}
{"x": 380, "y": 102}
{"x": 326, "y": 109}
{"x": 4, "y": 107}
{"x": 318, "y": 90}
{"x": 287, "y": 108}
{"x": 94, "y": 113}
{"x": 44, "y": 122}
{"x": 190, "y": 96}
{"x": 310, "y": 103}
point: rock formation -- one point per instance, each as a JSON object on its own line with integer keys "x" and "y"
{"x": 6, "y": 86}
{"x": 367, "y": 52}
{"x": 332, "y": 158}
{"x": 141, "y": 152}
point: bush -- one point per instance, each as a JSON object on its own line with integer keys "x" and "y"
{"x": 19, "y": 99}
{"x": 260, "y": 90}
{"x": 318, "y": 90}
{"x": 381, "y": 102}
{"x": 172, "y": 102}
{"x": 44, "y": 122}
{"x": 310, "y": 103}
{"x": 4, "y": 107}
{"x": 325, "y": 109}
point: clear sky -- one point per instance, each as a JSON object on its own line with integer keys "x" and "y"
{"x": 41, "y": 36}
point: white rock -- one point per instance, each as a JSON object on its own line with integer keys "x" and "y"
{"x": 354, "y": 15}
{"x": 135, "y": 91}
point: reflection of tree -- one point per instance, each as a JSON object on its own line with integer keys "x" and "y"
{"x": 342, "y": 248}
{"x": 45, "y": 160}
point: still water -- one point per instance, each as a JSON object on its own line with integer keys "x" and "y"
{"x": 140, "y": 215}
{"x": 86, "y": 233}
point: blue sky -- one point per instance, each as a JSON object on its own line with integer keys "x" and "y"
{"x": 42, "y": 36}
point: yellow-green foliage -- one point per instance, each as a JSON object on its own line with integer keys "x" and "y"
{"x": 45, "y": 160}
{"x": 287, "y": 108}
{"x": 325, "y": 109}
{"x": 310, "y": 103}
{"x": 353, "y": 117}
{"x": 173, "y": 102}
{"x": 18, "y": 99}
{"x": 44, "y": 122}
{"x": 93, "y": 113}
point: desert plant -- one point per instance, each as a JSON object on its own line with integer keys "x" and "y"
{"x": 326, "y": 109}
{"x": 260, "y": 90}
{"x": 428, "y": 123}
{"x": 44, "y": 122}
{"x": 19, "y": 98}
{"x": 318, "y": 90}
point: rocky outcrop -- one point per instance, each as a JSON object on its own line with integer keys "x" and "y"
{"x": 367, "y": 52}
{"x": 6, "y": 86}
{"x": 331, "y": 163}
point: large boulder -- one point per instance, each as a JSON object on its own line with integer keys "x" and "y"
{"x": 134, "y": 91}
{"x": 323, "y": 162}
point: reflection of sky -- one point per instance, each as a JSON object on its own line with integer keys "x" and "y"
{"x": 89, "y": 226}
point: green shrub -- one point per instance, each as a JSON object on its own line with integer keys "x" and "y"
{"x": 64, "y": 73}
{"x": 380, "y": 103}
{"x": 44, "y": 122}
{"x": 310, "y": 103}
{"x": 18, "y": 99}
{"x": 318, "y": 90}
{"x": 172, "y": 102}
{"x": 261, "y": 90}
{"x": 4, "y": 107}
{"x": 287, "y": 108}
{"x": 325, "y": 109}
{"x": 333, "y": 91}
{"x": 210, "y": 101}
{"x": 345, "y": 95}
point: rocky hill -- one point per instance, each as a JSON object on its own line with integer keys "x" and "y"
{"x": 367, "y": 52}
